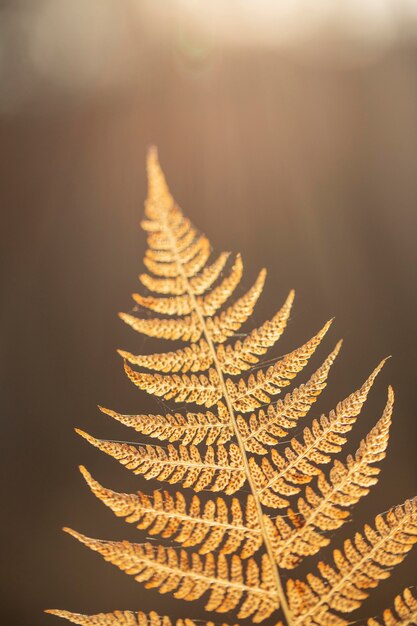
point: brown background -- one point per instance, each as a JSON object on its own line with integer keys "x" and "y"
{"x": 307, "y": 167}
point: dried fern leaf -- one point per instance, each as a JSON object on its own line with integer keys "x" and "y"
{"x": 202, "y": 282}
{"x": 244, "y": 354}
{"x": 303, "y": 532}
{"x": 230, "y": 321}
{"x": 221, "y": 468}
{"x": 196, "y": 357}
{"x": 215, "y": 524}
{"x": 184, "y": 328}
{"x": 360, "y": 566}
{"x": 267, "y": 428}
{"x": 201, "y": 389}
{"x": 187, "y": 302}
{"x": 184, "y": 305}
{"x": 126, "y": 618}
{"x": 192, "y": 243}
{"x": 403, "y": 614}
{"x": 192, "y": 260}
{"x": 193, "y": 428}
{"x": 215, "y": 299}
{"x": 178, "y": 286}
{"x": 251, "y": 394}
{"x": 230, "y": 583}
{"x": 172, "y": 305}
{"x": 281, "y": 475}
{"x": 166, "y": 286}
{"x": 189, "y": 328}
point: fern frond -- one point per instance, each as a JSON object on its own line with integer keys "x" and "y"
{"x": 221, "y": 468}
{"x": 209, "y": 303}
{"x": 193, "y": 260}
{"x": 238, "y": 547}
{"x": 229, "y": 321}
{"x": 267, "y": 428}
{"x": 189, "y": 428}
{"x": 215, "y": 299}
{"x": 196, "y": 357}
{"x": 184, "y": 328}
{"x": 282, "y": 474}
{"x": 191, "y": 244}
{"x": 359, "y": 567}
{"x": 172, "y": 305}
{"x": 207, "y": 525}
{"x": 251, "y": 394}
{"x": 178, "y": 286}
{"x": 130, "y": 618}
{"x": 119, "y": 618}
{"x": 189, "y": 328}
{"x": 126, "y": 618}
{"x": 199, "y": 389}
{"x": 230, "y": 583}
{"x": 202, "y": 282}
{"x": 303, "y": 533}
{"x": 404, "y": 613}
{"x": 244, "y": 354}
{"x": 166, "y": 286}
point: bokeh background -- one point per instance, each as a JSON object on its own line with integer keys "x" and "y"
{"x": 288, "y": 130}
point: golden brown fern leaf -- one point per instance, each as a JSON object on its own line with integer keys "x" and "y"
{"x": 215, "y": 298}
{"x": 357, "y": 568}
{"x": 230, "y": 583}
{"x": 189, "y": 428}
{"x": 244, "y": 354}
{"x": 215, "y": 524}
{"x": 220, "y": 469}
{"x": 251, "y": 394}
{"x": 201, "y": 389}
{"x": 303, "y": 532}
{"x": 230, "y": 548}
{"x": 178, "y": 286}
{"x": 190, "y": 328}
{"x": 282, "y": 474}
{"x": 194, "y": 358}
{"x": 187, "y": 328}
{"x": 125, "y": 618}
{"x": 403, "y": 614}
{"x": 265, "y": 429}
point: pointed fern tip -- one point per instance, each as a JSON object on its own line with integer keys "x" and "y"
{"x": 379, "y": 367}
{"x": 75, "y": 534}
{"x": 59, "y": 613}
{"x": 325, "y": 328}
{"x": 85, "y": 435}
{"x": 84, "y": 471}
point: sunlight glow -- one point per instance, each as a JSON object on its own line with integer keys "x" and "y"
{"x": 81, "y": 46}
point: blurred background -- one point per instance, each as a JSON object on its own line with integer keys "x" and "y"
{"x": 287, "y": 130}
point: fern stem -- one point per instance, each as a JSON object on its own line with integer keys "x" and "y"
{"x": 267, "y": 543}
